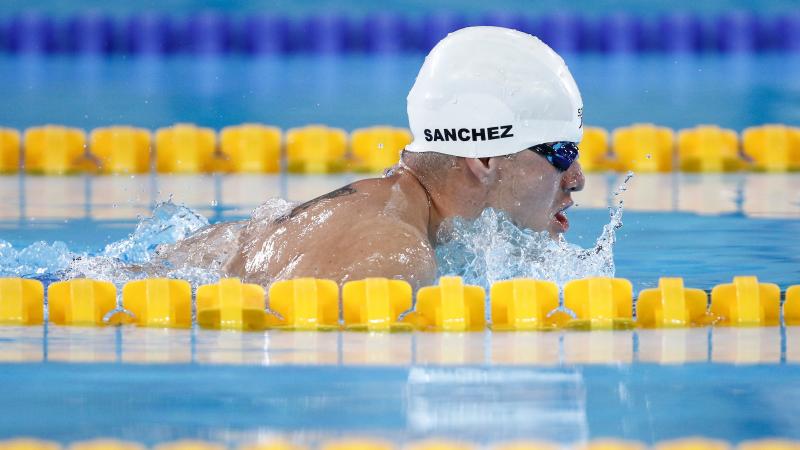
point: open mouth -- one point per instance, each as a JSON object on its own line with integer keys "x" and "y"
{"x": 561, "y": 218}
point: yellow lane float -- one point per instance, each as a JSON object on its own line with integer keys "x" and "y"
{"x": 791, "y": 307}
{"x": 159, "y": 302}
{"x": 523, "y": 304}
{"x": 600, "y": 303}
{"x": 613, "y": 444}
{"x": 231, "y": 305}
{"x": 358, "y": 444}
{"x": 375, "y": 304}
{"x": 21, "y": 301}
{"x": 81, "y": 301}
{"x": 671, "y": 305}
{"x": 29, "y": 444}
{"x": 449, "y": 306}
{"x": 594, "y": 150}
{"x": 697, "y": 443}
{"x": 644, "y": 148}
{"x": 250, "y": 148}
{"x": 746, "y": 302}
{"x": 305, "y": 304}
{"x": 54, "y": 150}
{"x": 189, "y": 445}
{"x": 439, "y": 444}
{"x": 106, "y": 444}
{"x": 377, "y": 148}
{"x": 185, "y": 148}
{"x": 315, "y": 149}
{"x": 708, "y": 148}
{"x": 772, "y": 148}
{"x": 121, "y": 149}
{"x": 9, "y": 150}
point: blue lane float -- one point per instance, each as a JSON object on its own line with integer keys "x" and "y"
{"x": 787, "y": 32}
{"x": 326, "y": 34}
{"x": 91, "y": 34}
{"x": 388, "y": 33}
{"x": 207, "y": 33}
{"x": 31, "y": 33}
{"x": 214, "y": 32}
{"x": 621, "y": 33}
{"x": 738, "y": 32}
{"x": 509, "y": 20}
{"x": 679, "y": 33}
{"x": 436, "y": 26}
{"x": 265, "y": 34}
{"x": 149, "y": 34}
{"x": 564, "y": 32}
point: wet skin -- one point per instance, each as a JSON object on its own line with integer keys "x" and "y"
{"x": 386, "y": 227}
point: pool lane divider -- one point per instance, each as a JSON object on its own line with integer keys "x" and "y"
{"x": 671, "y": 305}
{"x": 384, "y": 305}
{"x": 21, "y": 302}
{"x": 105, "y": 444}
{"x": 376, "y": 304}
{"x": 81, "y": 301}
{"x": 232, "y": 305}
{"x": 189, "y": 444}
{"x": 791, "y": 307}
{"x": 449, "y": 306}
{"x": 307, "y": 304}
{"x": 210, "y": 33}
{"x": 363, "y": 443}
{"x": 159, "y": 302}
{"x": 525, "y": 305}
{"x": 317, "y": 149}
{"x": 600, "y": 303}
{"x": 746, "y": 302}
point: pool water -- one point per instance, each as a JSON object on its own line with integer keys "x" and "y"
{"x": 351, "y": 91}
{"x": 154, "y": 385}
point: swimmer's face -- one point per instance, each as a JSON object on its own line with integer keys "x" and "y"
{"x": 534, "y": 193}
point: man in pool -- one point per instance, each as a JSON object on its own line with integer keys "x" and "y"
{"x": 495, "y": 116}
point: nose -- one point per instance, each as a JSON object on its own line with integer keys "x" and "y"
{"x": 573, "y": 179}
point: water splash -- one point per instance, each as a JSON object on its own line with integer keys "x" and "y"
{"x": 169, "y": 223}
{"x": 118, "y": 262}
{"x": 176, "y": 242}
{"x": 491, "y": 248}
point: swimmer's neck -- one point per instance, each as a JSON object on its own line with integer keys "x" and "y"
{"x": 445, "y": 200}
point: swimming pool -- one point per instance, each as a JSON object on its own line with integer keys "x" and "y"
{"x": 152, "y": 385}
{"x": 156, "y": 385}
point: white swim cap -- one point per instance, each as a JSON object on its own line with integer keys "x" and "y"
{"x": 492, "y": 91}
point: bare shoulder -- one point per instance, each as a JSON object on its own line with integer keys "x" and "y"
{"x": 371, "y": 228}
{"x": 397, "y": 197}
{"x": 383, "y": 247}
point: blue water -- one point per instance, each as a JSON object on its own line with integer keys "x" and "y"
{"x": 355, "y": 91}
{"x": 154, "y": 403}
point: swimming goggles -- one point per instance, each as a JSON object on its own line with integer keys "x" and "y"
{"x": 560, "y": 154}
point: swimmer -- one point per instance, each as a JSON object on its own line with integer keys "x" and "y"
{"x": 495, "y": 116}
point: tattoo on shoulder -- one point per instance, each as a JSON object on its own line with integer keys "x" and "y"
{"x": 341, "y": 192}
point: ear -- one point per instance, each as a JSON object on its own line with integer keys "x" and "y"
{"x": 483, "y": 169}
